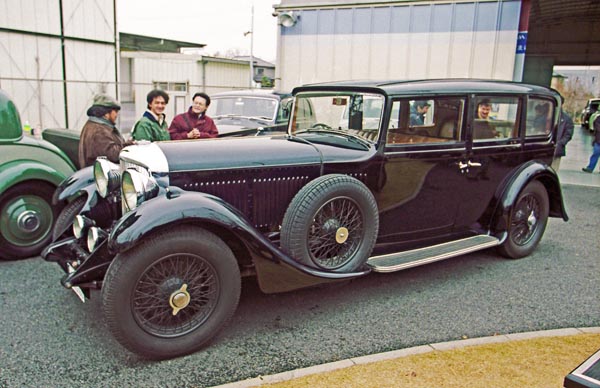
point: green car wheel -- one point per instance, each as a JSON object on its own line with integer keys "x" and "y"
{"x": 26, "y": 220}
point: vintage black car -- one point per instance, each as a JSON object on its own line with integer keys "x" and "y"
{"x": 355, "y": 186}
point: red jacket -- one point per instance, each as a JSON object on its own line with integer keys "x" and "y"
{"x": 185, "y": 122}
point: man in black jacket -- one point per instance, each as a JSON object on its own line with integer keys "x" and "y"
{"x": 596, "y": 144}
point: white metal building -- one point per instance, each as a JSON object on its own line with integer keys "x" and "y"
{"x": 55, "y": 55}
{"x": 357, "y": 39}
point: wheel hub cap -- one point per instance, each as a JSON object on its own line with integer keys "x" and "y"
{"x": 531, "y": 220}
{"x": 179, "y": 299}
{"x": 341, "y": 235}
{"x": 28, "y": 221}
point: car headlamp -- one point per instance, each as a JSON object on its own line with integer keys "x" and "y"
{"x": 106, "y": 176}
{"x": 94, "y": 237}
{"x": 81, "y": 225}
{"x": 136, "y": 187}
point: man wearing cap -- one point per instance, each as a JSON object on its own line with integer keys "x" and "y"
{"x": 417, "y": 112}
{"x": 100, "y": 136}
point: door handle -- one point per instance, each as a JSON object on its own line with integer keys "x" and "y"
{"x": 469, "y": 163}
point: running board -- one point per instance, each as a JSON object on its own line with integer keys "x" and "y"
{"x": 416, "y": 257}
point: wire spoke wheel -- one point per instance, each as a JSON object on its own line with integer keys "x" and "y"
{"x": 335, "y": 233}
{"x": 153, "y": 298}
{"x": 525, "y": 221}
{"x": 331, "y": 224}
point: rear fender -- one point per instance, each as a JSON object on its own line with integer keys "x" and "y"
{"x": 178, "y": 207}
{"x": 522, "y": 177}
{"x": 27, "y": 170}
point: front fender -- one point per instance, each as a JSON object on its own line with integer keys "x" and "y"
{"x": 179, "y": 206}
{"x": 524, "y": 175}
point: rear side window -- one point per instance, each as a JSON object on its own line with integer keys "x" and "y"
{"x": 539, "y": 117}
{"x": 495, "y": 118}
{"x": 434, "y": 120}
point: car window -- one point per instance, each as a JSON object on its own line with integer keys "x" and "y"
{"x": 243, "y": 106}
{"x": 436, "y": 120}
{"x": 357, "y": 114}
{"x": 495, "y": 118}
{"x": 285, "y": 108}
{"x": 539, "y": 117}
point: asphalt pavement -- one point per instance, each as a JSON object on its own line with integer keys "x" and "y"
{"x": 50, "y": 339}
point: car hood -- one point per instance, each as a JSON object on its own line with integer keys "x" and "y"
{"x": 252, "y": 152}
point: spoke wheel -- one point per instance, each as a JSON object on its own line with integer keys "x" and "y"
{"x": 171, "y": 293}
{"x": 331, "y": 224}
{"x": 336, "y": 233}
{"x": 175, "y": 295}
{"x": 527, "y": 222}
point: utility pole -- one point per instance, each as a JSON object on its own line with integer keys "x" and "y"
{"x": 252, "y": 47}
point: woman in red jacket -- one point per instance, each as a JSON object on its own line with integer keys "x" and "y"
{"x": 194, "y": 124}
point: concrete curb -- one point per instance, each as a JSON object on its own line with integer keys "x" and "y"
{"x": 437, "y": 347}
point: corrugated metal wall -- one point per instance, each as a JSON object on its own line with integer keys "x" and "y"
{"x": 53, "y": 88}
{"x": 401, "y": 41}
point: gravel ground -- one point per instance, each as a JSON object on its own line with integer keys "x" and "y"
{"x": 50, "y": 339}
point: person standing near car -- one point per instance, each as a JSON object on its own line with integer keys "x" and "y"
{"x": 99, "y": 135}
{"x": 153, "y": 124}
{"x": 564, "y": 134}
{"x": 194, "y": 124}
{"x": 596, "y": 150}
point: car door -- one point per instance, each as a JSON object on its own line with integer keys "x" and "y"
{"x": 494, "y": 149}
{"x": 423, "y": 181}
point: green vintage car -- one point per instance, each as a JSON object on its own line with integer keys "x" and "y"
{"x": 30, "y": 171}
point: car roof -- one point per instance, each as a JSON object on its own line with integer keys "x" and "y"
{"x": 266, "y": 93}
{"x": 431, "y": 87}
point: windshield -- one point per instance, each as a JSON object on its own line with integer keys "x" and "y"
{"x": 255, "y": 107}
{"x": 357, "y": 114}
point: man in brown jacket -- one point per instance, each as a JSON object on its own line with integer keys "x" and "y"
{"x": 99, "y": 136}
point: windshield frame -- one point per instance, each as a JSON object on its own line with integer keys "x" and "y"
{"x": 349, "y": 93}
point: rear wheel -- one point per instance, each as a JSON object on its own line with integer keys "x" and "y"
{"x": 172, "y": 293}
{"x": 527, "y": 223}
{"x": 26, "y": 219}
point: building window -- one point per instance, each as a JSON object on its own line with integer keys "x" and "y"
{"x": 171, "y": 86}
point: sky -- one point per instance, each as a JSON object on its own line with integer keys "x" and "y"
{"x": 220, "y": 24}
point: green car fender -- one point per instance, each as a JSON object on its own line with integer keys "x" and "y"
{"x": 18, "y": 171}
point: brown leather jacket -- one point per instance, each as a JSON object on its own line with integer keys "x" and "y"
{"x": 99, "y": 138}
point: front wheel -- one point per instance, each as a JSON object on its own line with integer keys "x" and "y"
{"x": 64, "y": 222}
{"x": 172, "y": 293}
{"x": 527, "y": 222}
{"x": 26, "y": 219}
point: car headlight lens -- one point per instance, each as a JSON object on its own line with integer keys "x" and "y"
{"x": 94, "y": 237}
{"x": 106, "y": 176}
{"x": 137, "y": 187}
{"x": 81, "y": 225}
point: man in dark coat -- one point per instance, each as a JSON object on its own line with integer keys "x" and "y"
{"x": 99, "y": 136}
{"x": 194, "y": 124}
{"x": 596, "y": 148}
{"x": 564, "y": 134}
